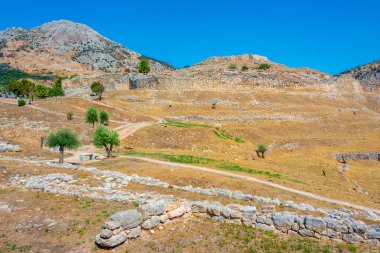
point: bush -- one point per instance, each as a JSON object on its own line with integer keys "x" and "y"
{"x": 103, "y": 117}
{"x": 42, "y": 91}
{"x": 21, "y": 88}
{"x": 261, "y": 149}
{"x": 264, "y": 66}
{"x": 21, "y": 102}
{"x": 232, "y": 66}
{"x": 69, "y": 115}
{"x": 244, "y": 68}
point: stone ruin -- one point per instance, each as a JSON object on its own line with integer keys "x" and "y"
{"x": 131, "y": 224}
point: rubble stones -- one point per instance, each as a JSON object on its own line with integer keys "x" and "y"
{"x": 150, "y": 223}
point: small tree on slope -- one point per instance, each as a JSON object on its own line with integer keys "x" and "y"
{"x": 105, "y": 137}
{"x": 144, "y": 66}
{"x": 98, "y": 88}
{"x": 92, "y": 116}
{"x": 62, "y": 138}
{"x": 104, "y": 117}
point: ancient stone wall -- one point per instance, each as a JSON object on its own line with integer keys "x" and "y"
{"x": 130, "y": 224}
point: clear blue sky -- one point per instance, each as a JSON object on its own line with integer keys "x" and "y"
{"x": 328, "y": 35}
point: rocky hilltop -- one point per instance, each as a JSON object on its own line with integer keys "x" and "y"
{"x": 368, "y": 75}
{"x": 240, "y": 72}
{"x": 64, "y": 47}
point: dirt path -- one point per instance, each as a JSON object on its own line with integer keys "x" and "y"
{"x": 255, "y": 180}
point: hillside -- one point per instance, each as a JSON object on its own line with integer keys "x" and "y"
{"x": 64, "y": 47}
{"x": 368, "y": 75}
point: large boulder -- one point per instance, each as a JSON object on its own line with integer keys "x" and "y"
{"x": 315, "y": 224}
{"x": 284, "y": 219}
{"x": 111, "y": 242}
{"x": 177, "y": 212}
{"x": 128, "y": 219}
{"x": 352, "y": 238}
{"x": 151, "y": 209}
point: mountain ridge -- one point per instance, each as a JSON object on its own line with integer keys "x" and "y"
{"x": 64, "y": 46}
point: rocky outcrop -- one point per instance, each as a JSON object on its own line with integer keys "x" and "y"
{"x": 368, "y": 75}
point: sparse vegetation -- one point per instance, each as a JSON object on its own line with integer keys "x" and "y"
{"x": 69, "y": 115}
{"x": 264, "y": 66}
{"x": 64, "y": 139}
{"x": 92, "y": 116}
{"x": 107, "y": 138}
{"x": 232, "y": 67}
{"x": 185, "y": 124}
{"x": 244, "y": 68}
{"x": 221, "y": 133}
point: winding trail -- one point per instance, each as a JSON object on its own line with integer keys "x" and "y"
{"x": 256, "y": 180}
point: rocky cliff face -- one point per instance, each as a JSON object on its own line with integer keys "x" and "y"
{"x": 62, "y": 47}
{"x": 368, "y": 75}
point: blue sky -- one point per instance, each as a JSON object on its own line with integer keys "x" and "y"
{"x": 327, "y": 35}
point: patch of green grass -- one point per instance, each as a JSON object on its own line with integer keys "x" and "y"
{"x": 223, "y": 135}
{"x": 237, "y": 167}
{"x": 184, "y": 124}
{"x": 218, "y": 132}
{"x": 188, "y": 159}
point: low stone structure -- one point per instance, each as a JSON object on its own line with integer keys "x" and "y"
{"x": 357, "y": 156}
{"x": 129, "y": 224}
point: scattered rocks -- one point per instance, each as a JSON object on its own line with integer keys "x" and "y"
{"x": 7, "y": 147}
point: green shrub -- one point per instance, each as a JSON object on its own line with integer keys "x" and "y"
{"x": 232, "y": 66}
{"x": 264, "y": 66}
{"x": 21, "y": 102}
{"x": 261, "y": 149}
{"x": 244, "y": 68}
{"x": 42, "y": 91}
{"x": 69, "y": 115}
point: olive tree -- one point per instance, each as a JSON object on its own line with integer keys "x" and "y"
{"x": 104, "y": 117}
{"x": 98, "y": 88}
{"x": 64, "y": 139}
{"x": 105, "y": 137}
{"x": 92, "y": 116}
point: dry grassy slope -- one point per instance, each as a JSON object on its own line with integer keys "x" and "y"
{"x": 320, "y": 123}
